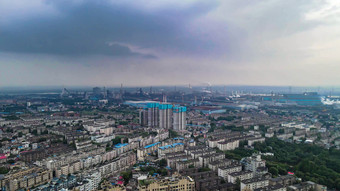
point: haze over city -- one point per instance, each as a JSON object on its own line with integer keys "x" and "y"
{"x": 142, "y": 42}
{"x": 169, "y": 95}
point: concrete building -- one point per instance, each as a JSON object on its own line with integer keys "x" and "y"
{"x": 306, "y": 186}
{"x": 26, "y": 179}
{"x": 254, "y": 183}
{"x": 242, "y": 175}
{"x": 185, "y": 164}
{"x": 179, "y": 118}
{"x": 219, "y": 163}
{"x": 142, "y": 152}
{"x": 32, "y": 156}
{"x": 286, "y": 180}
{"x": 277, "y": 187}
{"x": 207, "y": 180}
{"x": 206, "y": 159}
{"x": 102, "y": 138}
{"x": 107, "y": 131}
{"x": 183, "y": 183}
{"x": 165, "y": 116}
{"x": 176, "y": 147}
{"x": 153, "y": 148}
{"x": 173, "y": 158}
{"x": 149, "y": 116}
{"x": 251, "y": 141}
{"x": 227, "y": 145}
{"x": 107, "y": 186}
{"x": 253, "y": 162}
{"x": 225, "y": 171}
{"x": 117, "y": 165}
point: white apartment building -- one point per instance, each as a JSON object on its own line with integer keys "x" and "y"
{"x": 242, "y": 175}
{"x": 254, "y": 183}
{"x": 224, "y": 171}
{"x": 228, "y": 144}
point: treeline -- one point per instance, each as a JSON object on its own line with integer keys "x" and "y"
{"x": 309, "y": 162}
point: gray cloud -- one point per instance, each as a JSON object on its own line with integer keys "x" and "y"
{"x": 80, "y": 42}
{"x": 86, "y": 28}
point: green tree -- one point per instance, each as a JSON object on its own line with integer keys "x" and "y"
{"x": 163, "y": 163}
{"x": 238, "y": 184}
{"x": 273, "y": 171}
{"x": 11, "y": 161}
{"x": 173, "y": 133}
{"x": 281, "y": 131}
{"x": 4, "y": 170}
{"x": 126, "y": 176}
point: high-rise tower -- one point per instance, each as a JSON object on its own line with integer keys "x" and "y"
{"x": 149, "y": 116}
{"x": 165, "y": 116}
{"x": 179, "y": 118}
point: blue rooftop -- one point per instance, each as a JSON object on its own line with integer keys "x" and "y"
{"x": 152, "y": 105}
{"x": 165, "y": 106}
{"x": 179, "y": 109}
{"x": 153, "y": 144}
{"x": 170, "y": 146}
{"x": 119, "y": 145}
{"x": 178, "y": 138}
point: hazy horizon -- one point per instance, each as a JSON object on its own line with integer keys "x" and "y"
{"x": 322, "y": 90}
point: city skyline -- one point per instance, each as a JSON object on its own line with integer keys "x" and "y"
{"x": 142, "y": 43}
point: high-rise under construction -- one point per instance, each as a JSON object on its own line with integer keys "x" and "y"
{"x": 179, "y": 118}
{"x": 165, "y": 116}
{"x": 150, "y": 115}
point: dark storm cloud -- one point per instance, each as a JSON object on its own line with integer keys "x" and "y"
{"x": 93, "y": 27}
{"x": 218, "y": 41}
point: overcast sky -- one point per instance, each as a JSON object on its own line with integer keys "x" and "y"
{"x": 169, "y": 42}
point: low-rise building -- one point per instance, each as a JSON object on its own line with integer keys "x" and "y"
{"x": 251, "y": 141}
{"x": 206, "y": 159}
{"x": 227, "y": 145}
{"x": 224, "y": 171}
{"x": 254, "y": 183}
{"x": 184, "y": 183}
{"x": 26, "y": 179}
{"x": 277, "y": 187}
{"x": 286, "y": 180}
{"x": 184, "y": 164}
{"x": 219, "y": 163}
{"x": 306, "y": 186}
{"x": 242, "y": 175}
{"x": 175, "y": 147}
{"x": 253, "y": 162}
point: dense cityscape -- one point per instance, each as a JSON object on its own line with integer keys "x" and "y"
{"x": 169, "y": 95}
{"x": 169, "y": 138}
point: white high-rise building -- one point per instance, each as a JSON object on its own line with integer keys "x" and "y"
{"x": 179, "y": 118}
{"x": 150, "y": 115}
{"x": 165, "y": 116}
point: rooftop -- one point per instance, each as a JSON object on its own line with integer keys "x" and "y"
{"x": 170, "y": 146}
{"x": 119, "y": 145}
{"x": 151, "y": 145}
